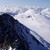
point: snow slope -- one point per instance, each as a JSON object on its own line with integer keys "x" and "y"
{"x": 38, "y": 22}
{"x": 35, "y": 21}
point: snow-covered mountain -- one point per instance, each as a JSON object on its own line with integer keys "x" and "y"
{"x": 35, "y": 22}
{"x": 36, "y": 19}
{"x": 16, "y": 35}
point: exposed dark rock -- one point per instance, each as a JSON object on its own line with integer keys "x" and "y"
{"x": 8, "y": 34}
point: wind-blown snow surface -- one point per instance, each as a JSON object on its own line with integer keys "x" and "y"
{"x": 36, "y": 19}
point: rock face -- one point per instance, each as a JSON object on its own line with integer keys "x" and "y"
{"x": 16, "y": 35}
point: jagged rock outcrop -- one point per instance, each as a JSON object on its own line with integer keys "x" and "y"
{"x": 16, "y": 35}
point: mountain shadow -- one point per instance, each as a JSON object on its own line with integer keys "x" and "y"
{"x": 16, "y": 35}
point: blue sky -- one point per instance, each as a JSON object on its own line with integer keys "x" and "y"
{"x": 41, "y": 3}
